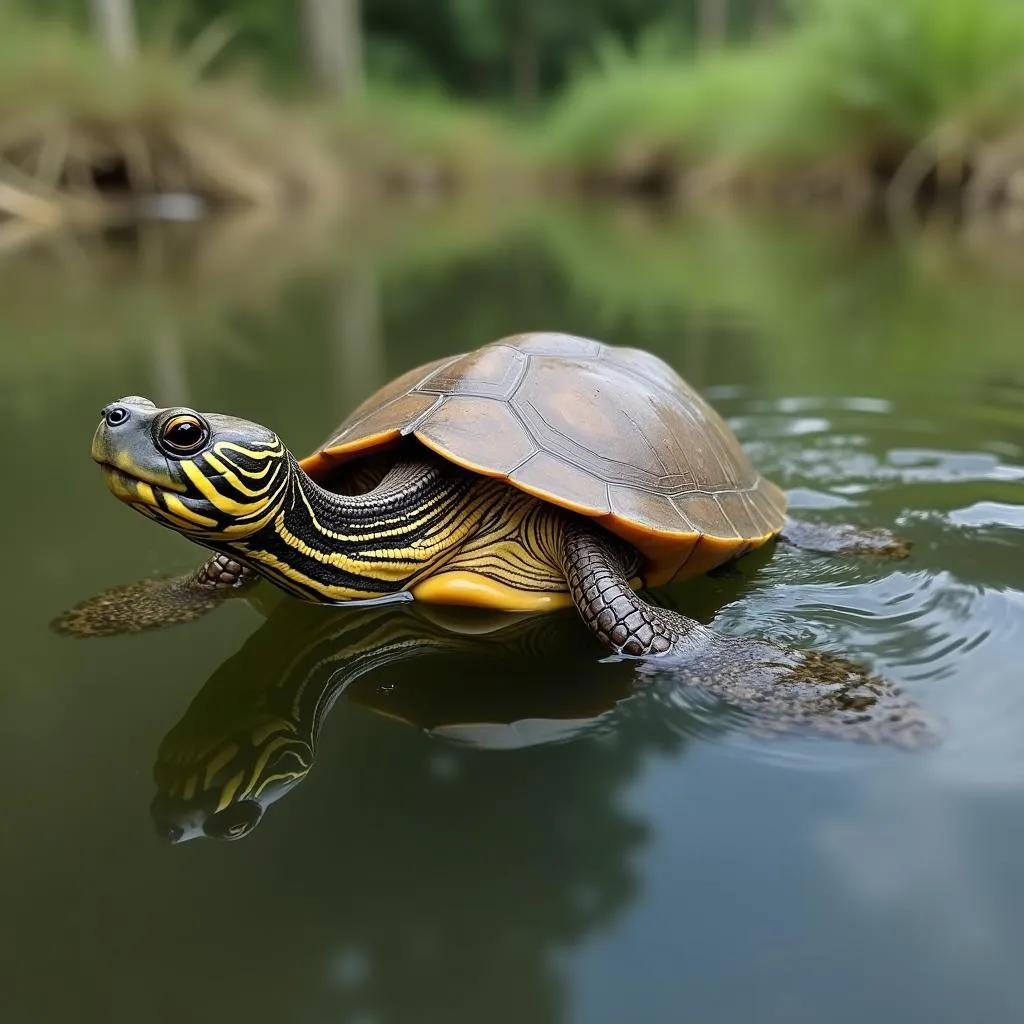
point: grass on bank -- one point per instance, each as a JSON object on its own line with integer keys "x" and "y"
{"x": 856, "y": 93}
{"x": 855, "y": 88}
{"x": 426, "y": 142}
{"x": 73, "y": 124}
{"x": 77, "y": 129}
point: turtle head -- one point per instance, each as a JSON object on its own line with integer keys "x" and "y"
{"x": 178, "y": 823}
{"x": 210, "y": 476}
{"x": 224, "y": 764}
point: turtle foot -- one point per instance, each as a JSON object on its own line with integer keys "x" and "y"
{"x": 137, "y": 607}
{"x": 786, "y": 692}
{"x": 844, "y": 539}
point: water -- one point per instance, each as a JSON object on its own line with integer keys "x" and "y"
{"x": 610, "y": 856}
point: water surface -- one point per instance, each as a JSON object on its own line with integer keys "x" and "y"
{"x": 614, "y": 855}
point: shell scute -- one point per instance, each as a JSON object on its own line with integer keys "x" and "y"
{"x": 609, "y": 432}
{"x": 482, "y": 434}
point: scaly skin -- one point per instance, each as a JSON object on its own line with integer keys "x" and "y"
{"x": 843, "y": 539}
{"x": 155, "y": 604}
{"x": 598, "y": 569}
{"x": 780, "y": 690}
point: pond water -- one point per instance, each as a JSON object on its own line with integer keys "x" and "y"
{"x": 501, "y": 828}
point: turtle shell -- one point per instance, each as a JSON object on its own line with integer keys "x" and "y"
{"x": 608, "y": 432}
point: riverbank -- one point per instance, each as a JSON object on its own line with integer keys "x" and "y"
{"x": 86, "y": 140}
{"x": 863, "y": 101}
{"x": 82, "y": 138}
{"x": 861, "y": 104}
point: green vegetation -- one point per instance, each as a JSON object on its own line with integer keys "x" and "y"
{"x": 857, "y": 89}
{"x": 424, "y": 141}
{"x": 73, "y": 124}
{"x": 919, "y": 98}
{"x": 82, "y": 136}
{"x": 503, "y": 52}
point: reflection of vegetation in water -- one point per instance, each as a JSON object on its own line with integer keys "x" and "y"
{"x": 896, "y": 316}
{"x": 910, "y": 307}
{"x": 106, "y": 294}
{"x": 715, "y": 294}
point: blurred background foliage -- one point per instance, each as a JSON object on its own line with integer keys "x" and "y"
{"x": 664, "y": 96}
{"x": 514, "y": 51}
{"x": 235, "y": 101}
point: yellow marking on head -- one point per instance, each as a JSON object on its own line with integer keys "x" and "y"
{"x": 263, "y": 733}
{"x": 474, "y": 590}
{"x": 228, "y": 793}
{"x": 178, "y": 508}
{"x": 123, "y": 462}
{"x": 280, "y": 777}
{"x": 274, "y": 449}
{"x": 250, "y": 473}
{"x": 121, "y": 486}
{"x": 220, "y": 502}
{"x": 190, "y": 788}
{"x": 218, "y": 762}
{"x": 145, "y": 492}
{"x": 232, "y": 478}
{"x": 251, "y": 525}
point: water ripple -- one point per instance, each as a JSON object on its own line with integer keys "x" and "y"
{"x": 947, "y": 626}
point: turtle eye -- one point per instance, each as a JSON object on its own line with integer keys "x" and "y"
{"x": 235, "y": 821}
{"x": 184, "y": 434}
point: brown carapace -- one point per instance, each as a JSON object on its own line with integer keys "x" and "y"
{"x": 611, "y": 433}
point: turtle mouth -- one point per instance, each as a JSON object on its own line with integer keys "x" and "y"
{"x": 132, "y": 488}
{"x": 125, "y": 486}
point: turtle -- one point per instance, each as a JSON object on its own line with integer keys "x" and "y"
{"x": 540, "y": 471}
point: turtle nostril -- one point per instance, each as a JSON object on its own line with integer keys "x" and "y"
{"x": 115, "y": 415}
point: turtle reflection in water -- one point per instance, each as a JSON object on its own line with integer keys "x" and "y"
{"x": 538, "y": 472}
{"x": 250, "y": 735}
{"x": 505, "y": 682}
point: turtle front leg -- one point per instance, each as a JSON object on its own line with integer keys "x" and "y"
{"x": 779, "y": 690}
{"x": 598, "y": 569}
{"x": 156, "y": 604}
{"x": 843, "y": 539}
